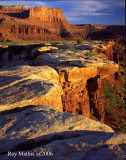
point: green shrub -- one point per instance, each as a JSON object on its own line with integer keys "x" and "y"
{"x": 118, "y": 86}
{"x": 11, "y": 85}
{"x": 92, "y": 112}
{"x": 103, "y": 100}
{"x": 62, "y": 56}
{"x": 124, "y": 78}
{"x": 74, "y": 53}
{"x": 121, "y": 104}
{"x": 110, "y": 94}
{"x": 117, "y": 119}
{"x": 112, "y": 84}
{"x": 79, "y": 41}
{"x": 122, "y": 89}
{"x": 70, "y": 48}
{"x": 123, "y": 120}
{"x": 90, "y": 54}
{"x": 123, "y": 127}
{"x": 109, "y": 111}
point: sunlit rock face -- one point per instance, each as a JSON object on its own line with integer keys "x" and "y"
{"x": 46, "y": 14}
{"x": 25, "y": 85}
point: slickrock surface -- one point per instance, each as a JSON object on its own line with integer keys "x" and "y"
{"x": 25, "y": 85}
{"x": 67, "y": 136}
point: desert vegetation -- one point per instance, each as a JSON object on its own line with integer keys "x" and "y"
{"x": 80, "y": 41}
{"x": 114, "y": 99}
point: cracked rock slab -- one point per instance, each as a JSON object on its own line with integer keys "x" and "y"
{"x": 61, "y": 60}
{"x": 67, "y": 136}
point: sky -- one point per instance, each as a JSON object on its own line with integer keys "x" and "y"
{"x": 106, "y": 12}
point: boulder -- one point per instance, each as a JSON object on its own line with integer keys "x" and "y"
{"x": 47, "y": 48}
{"x": 27, "y": 85}
{"x": 37, "y": 51}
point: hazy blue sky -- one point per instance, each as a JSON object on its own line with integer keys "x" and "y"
{"x": 83, "y": 11}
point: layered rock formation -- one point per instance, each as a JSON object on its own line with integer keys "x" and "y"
{"x": 47, "y": 14}
{"x": 44, "y": 23}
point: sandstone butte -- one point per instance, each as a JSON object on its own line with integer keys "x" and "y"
{"x": 45, "y": 23}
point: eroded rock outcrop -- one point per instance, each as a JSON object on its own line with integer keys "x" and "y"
{"x": 24, "y": 85}
{"x": 80, "y": 77}
{"x": 79, "y": 74}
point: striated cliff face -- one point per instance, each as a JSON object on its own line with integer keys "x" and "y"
{"x": 26, "y": 32}
{"x": 47, "y": 14}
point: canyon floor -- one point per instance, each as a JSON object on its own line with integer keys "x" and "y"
{"x": 63, "y": 99}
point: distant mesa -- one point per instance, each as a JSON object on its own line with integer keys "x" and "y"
{"x": 39, "y": 12}
{"x": 14, "y": 7}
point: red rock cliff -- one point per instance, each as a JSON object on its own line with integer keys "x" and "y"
{"x": 47, "y": 14}
{"x": 11, "y": 9}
